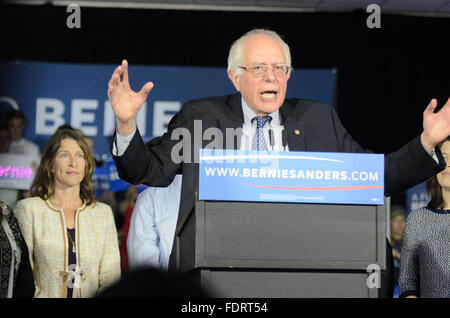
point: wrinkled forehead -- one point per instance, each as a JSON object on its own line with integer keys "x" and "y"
{"x": 262, "y": 49}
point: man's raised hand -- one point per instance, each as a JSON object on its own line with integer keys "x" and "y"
{"x": 124, "y": 101}
{"x": 436, "y": 126}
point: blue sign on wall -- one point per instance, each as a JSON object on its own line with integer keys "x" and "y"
{"x": 52, "y": 94}
{"x": 417, "y": 197}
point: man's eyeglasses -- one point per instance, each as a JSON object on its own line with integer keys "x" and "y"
{"x": 261, "y": 69}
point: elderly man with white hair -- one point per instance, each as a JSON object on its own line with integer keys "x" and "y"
{"x": 259, "y": 66}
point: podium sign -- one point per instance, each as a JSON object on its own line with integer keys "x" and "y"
{"x": 302, "y": 177}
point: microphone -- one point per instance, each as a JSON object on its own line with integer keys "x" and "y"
{"x": 271, "y": 138}
{"x": 284, "y": 139}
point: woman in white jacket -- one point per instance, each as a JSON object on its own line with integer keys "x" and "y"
{"x": 71, "y": 238}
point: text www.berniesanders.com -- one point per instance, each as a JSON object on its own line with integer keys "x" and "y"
{"x": 292, "y": 174}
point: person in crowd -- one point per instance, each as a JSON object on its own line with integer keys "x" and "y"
{"x": 9, "y": 196}
{"x": 259, "y": 66}
{"x": 16, "y": 276}
{"x": 90, "y": 142}
{"x": 5, "y": 138}
{"x": 126, "y": 208}
{"x": 425, "y": 254}
{"x": 15, "y": 119}
{"x": 71, "y": 238}
{"x": 152, "y": 226}
{"x": 131, "y": 194}
{"x": 109, "y": 198}
{"x": 65, "y": 126}
{"x": 19, "y": 145}
{"x": 398, "y": 219}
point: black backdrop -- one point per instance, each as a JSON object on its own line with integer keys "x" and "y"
{"x": 386, "y": 76}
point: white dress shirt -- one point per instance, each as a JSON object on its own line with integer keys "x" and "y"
{"x": 249, "y": 130}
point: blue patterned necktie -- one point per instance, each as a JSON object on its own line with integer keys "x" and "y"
{"x": 259, "y": 143}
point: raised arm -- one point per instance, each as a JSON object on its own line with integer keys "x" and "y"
{"x": 436, "y": 125}
{"x": 124, "y": 101}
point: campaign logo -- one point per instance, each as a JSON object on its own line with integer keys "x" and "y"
{"x": 307, "y": 177}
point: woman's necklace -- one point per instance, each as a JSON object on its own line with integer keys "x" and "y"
{"x": 74, "y": 247}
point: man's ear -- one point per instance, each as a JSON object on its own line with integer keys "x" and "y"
{"x": 235, "y": 79}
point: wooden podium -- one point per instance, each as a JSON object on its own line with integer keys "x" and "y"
{"x": 255, "y": 249}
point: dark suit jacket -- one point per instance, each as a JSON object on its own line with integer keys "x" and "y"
{"x": 320, "y": 130}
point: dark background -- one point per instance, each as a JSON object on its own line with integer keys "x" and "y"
{"x": 386, "y": 77}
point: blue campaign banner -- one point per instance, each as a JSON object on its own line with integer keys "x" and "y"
{"x": 53, "y": 94}
{"x": 100, "y": 181}
{"x": 417, "y": 197}
{"x": 115, "y": 183}
{"x": 304, "y": 177}
{"x": 107, "y": 179}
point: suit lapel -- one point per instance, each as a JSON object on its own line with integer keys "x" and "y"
{"x": 292, "y": 121}
{"x": 234, "y": 118}
{"x": 294, "y": 126}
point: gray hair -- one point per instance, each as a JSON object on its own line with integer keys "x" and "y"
{"x": 235, "y": 55}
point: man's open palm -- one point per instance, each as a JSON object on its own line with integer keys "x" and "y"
{"x": 124, "y": 101}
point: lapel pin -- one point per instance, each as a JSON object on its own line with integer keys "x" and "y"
{"x": 297, "y": 132}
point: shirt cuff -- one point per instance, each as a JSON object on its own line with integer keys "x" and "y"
{"x": 121, "y": 143}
